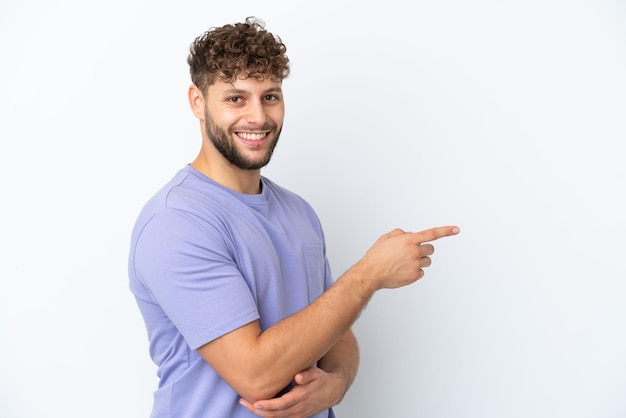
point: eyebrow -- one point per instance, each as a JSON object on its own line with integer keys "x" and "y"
{"x": 240, "y": 91}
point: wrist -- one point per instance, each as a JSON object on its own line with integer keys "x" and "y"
{"x": 362, "y": 280}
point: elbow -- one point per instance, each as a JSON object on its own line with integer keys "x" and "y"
{"x": 258, "y": 388}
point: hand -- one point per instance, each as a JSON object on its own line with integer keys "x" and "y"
{"x": 315, "y": 391}
{"x": 397, "y": 258}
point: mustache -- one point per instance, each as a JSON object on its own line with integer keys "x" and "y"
{"x": 267, "y": 126}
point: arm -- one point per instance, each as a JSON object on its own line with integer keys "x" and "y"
{"x": 259, "y": 364}
{"x": 342, "y": 360}
{"x": 317, "y": 388}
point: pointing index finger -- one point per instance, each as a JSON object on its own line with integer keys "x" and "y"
{"x": 436, "y": 233}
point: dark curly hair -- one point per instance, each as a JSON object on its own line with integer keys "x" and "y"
{"x": 227, "y": 52}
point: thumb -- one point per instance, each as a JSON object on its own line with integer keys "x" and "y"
{"x": 301, "y": 378}
{"x": 305, "y": 376}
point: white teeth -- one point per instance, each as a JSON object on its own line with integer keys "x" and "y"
{"x": 251, "y": 136}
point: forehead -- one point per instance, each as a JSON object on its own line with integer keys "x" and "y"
{"x": 246, "y": 85}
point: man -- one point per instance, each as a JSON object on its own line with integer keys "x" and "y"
{"x": 229, "y": 269}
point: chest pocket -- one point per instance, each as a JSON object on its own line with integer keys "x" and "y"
{"x": 315, "y": 270}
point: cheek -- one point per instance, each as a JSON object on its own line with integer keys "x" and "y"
{"x": 277, "y": 115}
{"x": 226, "y": 122}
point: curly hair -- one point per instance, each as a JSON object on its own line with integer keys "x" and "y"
{"x": 227, "y": 52}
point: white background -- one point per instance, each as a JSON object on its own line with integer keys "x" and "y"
{"x": 506, "y": 118}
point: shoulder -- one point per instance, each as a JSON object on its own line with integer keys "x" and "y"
{"x": 187, "y": 194}
{"x": 183, "y": 205}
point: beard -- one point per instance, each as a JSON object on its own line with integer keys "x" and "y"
{"x": 223, "y": 142}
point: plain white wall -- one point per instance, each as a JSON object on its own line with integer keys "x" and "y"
{"x": 505, "y": 118}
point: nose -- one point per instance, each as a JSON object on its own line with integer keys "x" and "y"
{"x": 256, "y": 113}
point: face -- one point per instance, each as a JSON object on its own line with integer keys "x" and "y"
{"x": 243, "y": 120}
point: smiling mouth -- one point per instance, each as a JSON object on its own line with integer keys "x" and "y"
{"x": 252, "y": 136}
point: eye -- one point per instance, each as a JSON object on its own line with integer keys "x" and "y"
{"x": 271, "y": 98}
{"x": 235, "y": 99}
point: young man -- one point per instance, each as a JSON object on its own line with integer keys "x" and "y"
{"x": 229, "y": 269}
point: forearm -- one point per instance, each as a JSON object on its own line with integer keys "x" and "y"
{"x": 317, "y": 388}
{"x": 342, "y": 359}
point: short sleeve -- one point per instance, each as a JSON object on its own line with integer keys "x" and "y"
{"x": 185, "y": 265}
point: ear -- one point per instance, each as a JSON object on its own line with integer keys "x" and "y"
{"x": 196, "y": 101}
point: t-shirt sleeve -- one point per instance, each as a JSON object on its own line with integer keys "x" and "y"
{"x": 186, "y": 267}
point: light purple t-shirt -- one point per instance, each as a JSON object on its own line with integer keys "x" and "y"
{"x": 206, "y": 260}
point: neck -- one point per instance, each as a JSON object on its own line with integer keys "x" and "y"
{"x": 222, "y": 172}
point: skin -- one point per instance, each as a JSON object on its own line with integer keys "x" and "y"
{"x": 259, "y": 364}
{"x": 318, "y": 388}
